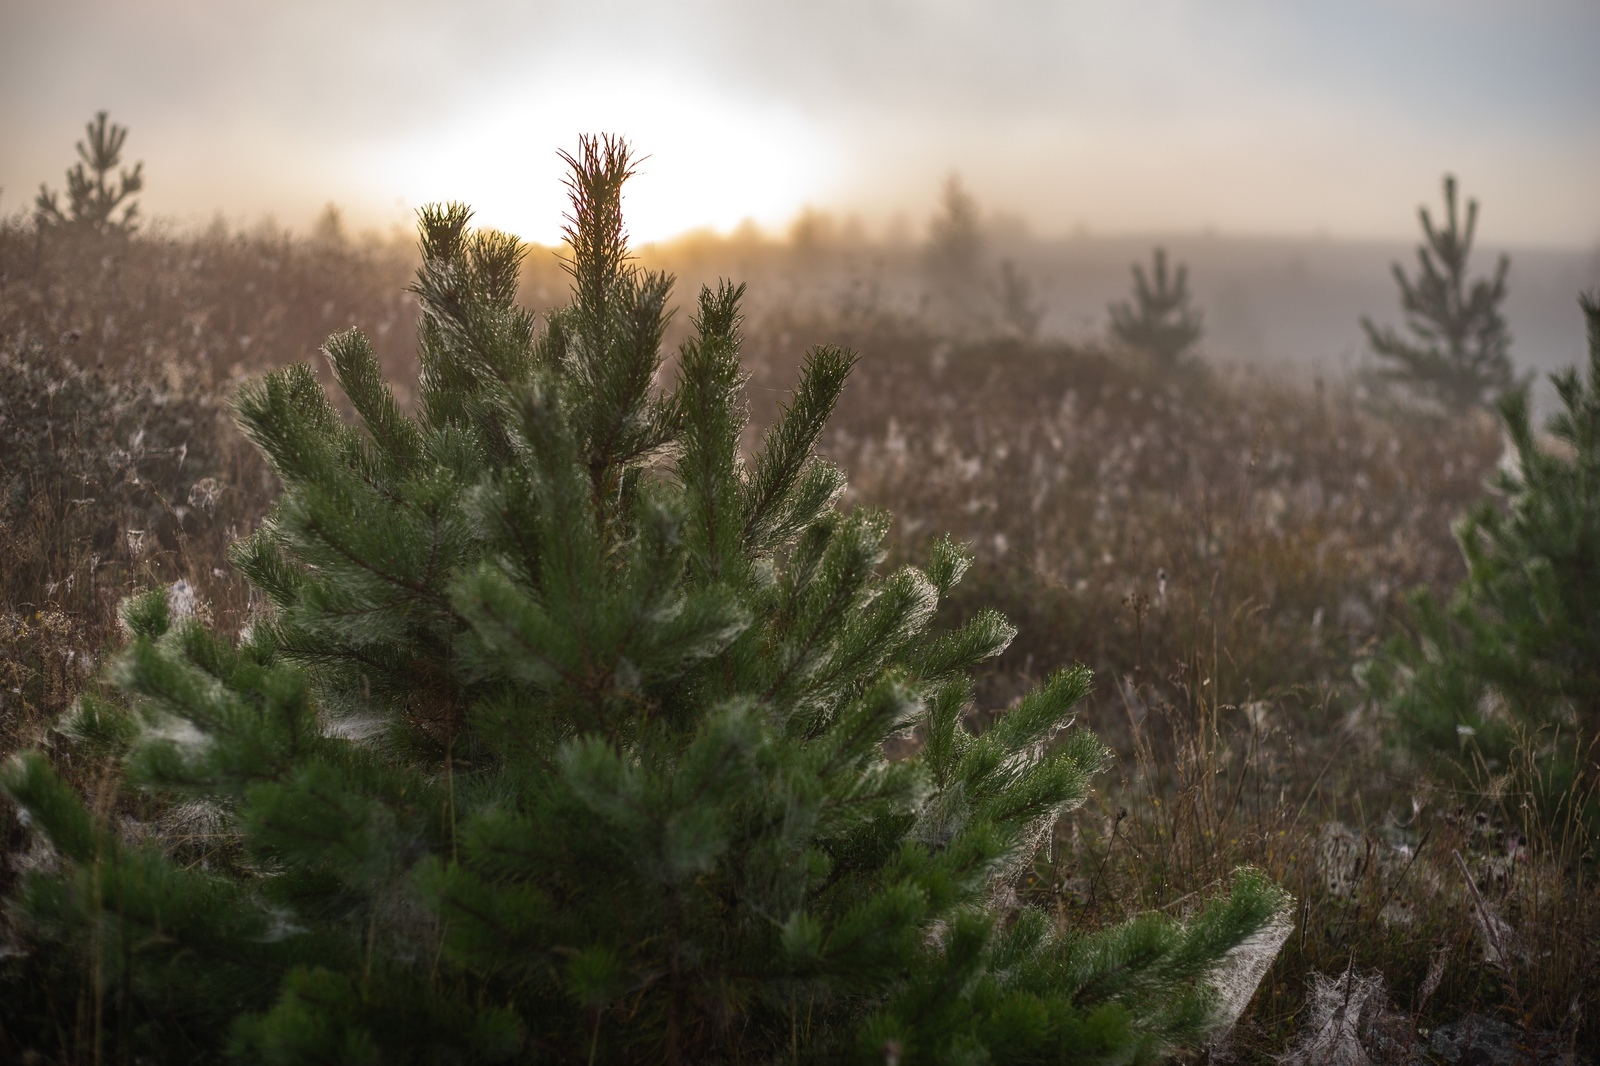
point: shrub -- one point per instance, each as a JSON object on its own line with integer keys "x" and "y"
{"x": 216, "y": 305}
{"x": 105, "y": 473}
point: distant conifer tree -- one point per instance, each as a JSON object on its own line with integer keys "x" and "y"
{"x": 1514, "y": 659}
{"x": 565, "y": 738}
{"x": 329, "y": 229}
{"x": 1459, "y": 351}
{"x": 93, "y": 197}
{"x": 1019, "y": 311}
{"x": 955, "y": 236}
{"x": 1159, "y": 320}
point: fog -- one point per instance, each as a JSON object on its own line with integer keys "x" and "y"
{"x": 1285, "y": 301}
{"x": 1281, "y": 150}
{"x": 1289, "y": 305}
{"x": 1243, "y": 117}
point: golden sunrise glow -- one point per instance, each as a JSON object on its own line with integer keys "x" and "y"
{"x": 710, "y": 160}
{"x": 1163, "y": 116}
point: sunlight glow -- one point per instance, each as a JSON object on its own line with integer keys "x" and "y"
{"x": 708, "y": 160}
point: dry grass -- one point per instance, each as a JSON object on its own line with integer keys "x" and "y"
{"x": 1220, "y": 547}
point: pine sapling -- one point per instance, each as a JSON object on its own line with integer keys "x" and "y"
{"x": 1458, "y": 352}
{"x": 1159, "y": 320}
{"x": 565, "y": 735}
{"x": 1505, "y": 676}
{"x": 93, "y": 196}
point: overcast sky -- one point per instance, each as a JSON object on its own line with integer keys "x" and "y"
{"x": 1119, "y": 116}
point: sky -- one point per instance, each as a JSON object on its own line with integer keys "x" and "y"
{"x": 1250, "y": 117}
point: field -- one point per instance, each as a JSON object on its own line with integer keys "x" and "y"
{"x": 1221, "y": 546}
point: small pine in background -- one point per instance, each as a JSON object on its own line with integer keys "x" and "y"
{"x": 93, "y": 196}
{"x": 955, "y": 238}
{"x": 1020, "y": 313}
{"x": 1159, "y": 320}
{"x": 1458, "y": 354}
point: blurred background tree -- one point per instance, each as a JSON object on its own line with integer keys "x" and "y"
{"x": 1020, "y": 312}
{"x": 954, "y": 261}
{"x": 93, "y": 197}
{"x": 955, "y": 237}
{"x": 1511, "y": 666}
{"x": 1458, "y": 354}
{"x": 1159, "y": 320}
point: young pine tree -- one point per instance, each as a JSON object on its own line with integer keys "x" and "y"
{"x": 1159, "y": 320}
{"x": 565, "y": 738}
{"x": 955, "y": 237}
{"x": 1019, "y": 312}
{"x": 1512, "y": 663}
{"x": 960, "y": 297}
{"x": 1459, "y": 351}
{"x": 93, "y": 196}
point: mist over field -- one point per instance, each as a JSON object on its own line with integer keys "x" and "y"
{"x": 1285, "y": 303}
{"x": 1281, "y": 149}
{"x": 1242, "y": 117}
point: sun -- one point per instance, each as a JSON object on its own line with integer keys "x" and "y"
{"x": 707, "y": 159}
